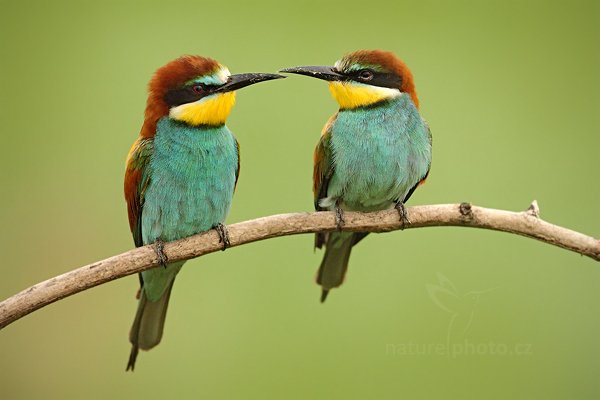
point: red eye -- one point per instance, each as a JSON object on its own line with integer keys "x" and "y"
{"x": 197, "y": 89}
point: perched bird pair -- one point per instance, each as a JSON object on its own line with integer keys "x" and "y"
{"x": 182, "y": 170}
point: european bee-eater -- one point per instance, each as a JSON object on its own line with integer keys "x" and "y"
{"x": 181, "y": 174}
{"x": 373, "y": 153}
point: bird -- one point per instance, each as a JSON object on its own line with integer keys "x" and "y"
{"x": 180, "y": 174}
{"x": 373, "y": 152}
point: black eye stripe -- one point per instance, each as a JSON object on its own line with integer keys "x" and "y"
{"x": 176, "y": 97}
{"x": 187, "y": 94}
{"x": 381, "y": 79}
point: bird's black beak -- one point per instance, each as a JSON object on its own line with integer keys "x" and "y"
{"x": 239, "y": 81}
{"x": 319, "y": 72}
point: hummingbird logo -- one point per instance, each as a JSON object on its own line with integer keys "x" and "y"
{"x": 461, "y": 307}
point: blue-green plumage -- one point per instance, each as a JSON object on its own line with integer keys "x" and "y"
{"x": 378, "y": 154}
{"x": 188, "y": 175}
{"x": 193, "y": 174}
{"x": 373, "y": 152}
{"x": 181, "y": 174}
{"x": 369, "y": 158}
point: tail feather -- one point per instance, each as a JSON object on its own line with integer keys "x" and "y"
{"x": 147, "y": 329}
{"x": 332, "y": 270}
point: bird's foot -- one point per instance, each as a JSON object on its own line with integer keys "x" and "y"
{"x": 223, "y": 235}
{"x": 403, "y": 214}
{"x": 339, "y": 216}
{"x": 159, "y": 248}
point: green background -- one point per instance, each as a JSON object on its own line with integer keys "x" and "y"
{"x": 510, "y": 90}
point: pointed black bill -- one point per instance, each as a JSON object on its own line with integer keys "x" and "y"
{"x": 324, "y": 294}
{"x": 319, "y": 72}
{"x": 239, "y": 81}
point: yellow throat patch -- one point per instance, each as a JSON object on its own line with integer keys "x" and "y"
{"x": 352, "y": 95}
{"x": 212, "y": 110}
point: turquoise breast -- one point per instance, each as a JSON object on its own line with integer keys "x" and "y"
{"x": 193, "y": 174}
{"x": 379, "y": 153}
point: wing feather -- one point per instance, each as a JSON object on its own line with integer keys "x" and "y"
{"x": 137, "y": 178}
{"x": 237, "y": 172}
{"x": 322, "y": 172}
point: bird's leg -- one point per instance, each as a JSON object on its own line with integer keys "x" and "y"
{"x": 403, "y": 213}
{"x": 223, "y": 235}
{"x": 339, "y": 215}
{"x": 159, "y": 248}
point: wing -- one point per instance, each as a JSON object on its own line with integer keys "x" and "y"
{"x": 323, "y": 164}
{"x": 137, "y": 178}
{"x": 237, "y": 172}
{"x": 322, "y": 172}
{"x": 424, "y": 178}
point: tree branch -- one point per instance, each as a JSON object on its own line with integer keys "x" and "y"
{"x": 526, "y": 223}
